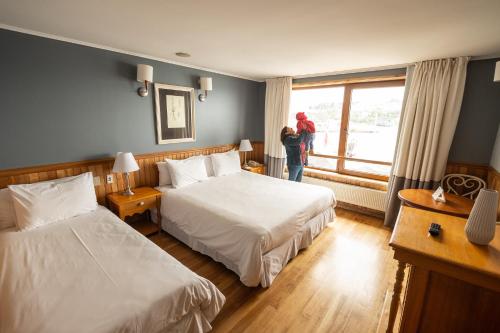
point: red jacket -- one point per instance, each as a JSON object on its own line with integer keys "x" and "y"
{"x": 303, "y": 124}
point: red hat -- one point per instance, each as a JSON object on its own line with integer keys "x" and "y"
{"x": 301, "y": 116}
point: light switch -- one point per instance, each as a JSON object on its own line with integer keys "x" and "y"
{"x": 109, "y": 179}
{"x": 97, "y": 181}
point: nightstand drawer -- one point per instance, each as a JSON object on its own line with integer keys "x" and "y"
{"x": 138, "y": 206}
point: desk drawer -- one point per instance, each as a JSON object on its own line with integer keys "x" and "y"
{"x": 139, "y": 206}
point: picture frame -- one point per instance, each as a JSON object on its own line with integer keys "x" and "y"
{"x": 175, "y": 114}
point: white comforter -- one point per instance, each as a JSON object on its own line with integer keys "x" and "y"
{"x": 94, "y": 273}
{"x": 242, "y": 216}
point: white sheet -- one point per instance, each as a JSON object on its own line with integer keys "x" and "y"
{"x": 94, "y": 273}
{"x": 243, "y": 216}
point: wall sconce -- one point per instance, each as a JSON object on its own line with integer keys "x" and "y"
{"x": 144, "y": 74}
{"x": 496, "y": 76}
{"x": 205, "y": 85}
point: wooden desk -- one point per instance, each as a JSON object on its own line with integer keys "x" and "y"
{"x": 453, "y": 285}
{"x": 454, "y": 205}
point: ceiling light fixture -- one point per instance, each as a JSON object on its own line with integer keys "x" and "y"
{"x": 182, "y": 54}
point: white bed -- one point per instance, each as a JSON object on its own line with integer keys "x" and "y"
{"x": 94, "y": 273}
{"x": 251, "y": 223}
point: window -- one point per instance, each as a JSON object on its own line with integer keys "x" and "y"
{"x": 356, "y": 125}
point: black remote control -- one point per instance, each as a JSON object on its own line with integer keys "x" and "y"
{"x": 434, "y": 229}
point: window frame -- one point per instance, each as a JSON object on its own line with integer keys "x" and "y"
{"x": 349, "y": 85}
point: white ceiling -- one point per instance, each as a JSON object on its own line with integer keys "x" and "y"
{"x": 268, "y": 38}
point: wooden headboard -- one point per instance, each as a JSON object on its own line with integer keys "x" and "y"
{"x": 146, "y": 176}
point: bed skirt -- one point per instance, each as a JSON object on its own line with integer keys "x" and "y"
{"x": 274, "y": 260}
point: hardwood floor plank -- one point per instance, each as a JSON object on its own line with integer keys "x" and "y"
{"x": 338, "y": 284}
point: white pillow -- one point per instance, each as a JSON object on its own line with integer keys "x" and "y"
{"x": 43, "y": 203}
{"x": 163, "y": 174}
{"x": 7, "y": 212}
{"x": 188, "y": 171}
{"x": 226, "y": 163}
{"x": 208, "y": 165}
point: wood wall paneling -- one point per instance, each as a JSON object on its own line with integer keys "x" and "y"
{"x": 148, "y": 173}
{"x": 146, "y": 176}
{"x": 477, "y": 170}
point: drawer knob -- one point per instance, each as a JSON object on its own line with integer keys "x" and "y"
{"x": 140, "y": 203}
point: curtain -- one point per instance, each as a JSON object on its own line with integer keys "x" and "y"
{"x": 278, "y": 93}
{"x": 433, "y": 98}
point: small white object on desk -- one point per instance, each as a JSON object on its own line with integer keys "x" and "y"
{"x": 438, "y": 195}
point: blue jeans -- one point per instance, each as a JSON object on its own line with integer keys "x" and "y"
{"x": 295, "y": 173}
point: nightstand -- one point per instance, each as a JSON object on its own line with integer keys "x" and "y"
{"x": 144, "y": 199}
{"x": 261, "y": 169}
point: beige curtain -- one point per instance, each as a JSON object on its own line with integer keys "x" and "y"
{"x": 278, "y": 93}
{"x": 430, "y": 115}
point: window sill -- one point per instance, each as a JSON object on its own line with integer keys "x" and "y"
{"x": 345, "y": 179}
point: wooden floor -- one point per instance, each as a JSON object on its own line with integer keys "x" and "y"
{"x": 338, "y": 284}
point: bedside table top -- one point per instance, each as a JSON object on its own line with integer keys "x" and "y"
{"x": 253, "y": 168}
{"x": 140, "y": 193}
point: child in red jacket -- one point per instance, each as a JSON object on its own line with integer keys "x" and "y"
{"x": 303, "y": 124}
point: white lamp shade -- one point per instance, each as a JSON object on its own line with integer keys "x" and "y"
{"x": 496, "y": 78}
{"x": 125, "y": 162}
{"x": 245, "y": 145}
{"x": 144, "y": 73}
{"x": 206, "y": 83}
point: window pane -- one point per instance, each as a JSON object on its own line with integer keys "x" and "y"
{"x": 377, "y": 169}
{"x": 323, "y": 163}
{"x": 324, "y": 107}
{"x": 373, "y": 123}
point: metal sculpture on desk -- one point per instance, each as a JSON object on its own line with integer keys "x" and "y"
{"x": 438, "y": 195}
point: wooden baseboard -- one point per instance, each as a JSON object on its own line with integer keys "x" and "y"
{"x": 360, "y": 209}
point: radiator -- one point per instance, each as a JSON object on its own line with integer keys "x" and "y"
{"x": 351, "y": 194}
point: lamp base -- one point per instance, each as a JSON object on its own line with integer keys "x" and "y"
{"x": 128, "y": 192}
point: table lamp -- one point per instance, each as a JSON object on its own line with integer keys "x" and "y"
{"x": 125, "y": 162}
{"x": 245, "y": 146}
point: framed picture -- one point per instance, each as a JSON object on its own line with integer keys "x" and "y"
{"x": 174, "y": 114}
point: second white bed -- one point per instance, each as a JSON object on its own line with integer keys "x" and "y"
{"x": 253, "y": 224}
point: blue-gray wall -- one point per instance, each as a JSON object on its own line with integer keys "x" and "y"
{"x": 479, "y": 117}
{"x": 63, "y": 102}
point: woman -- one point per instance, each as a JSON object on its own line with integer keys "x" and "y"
{"x": 292, "y": 145}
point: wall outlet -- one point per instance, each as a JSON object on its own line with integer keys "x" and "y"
{"x": 109, "y": 179}
{"x": 97, "y": 181}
